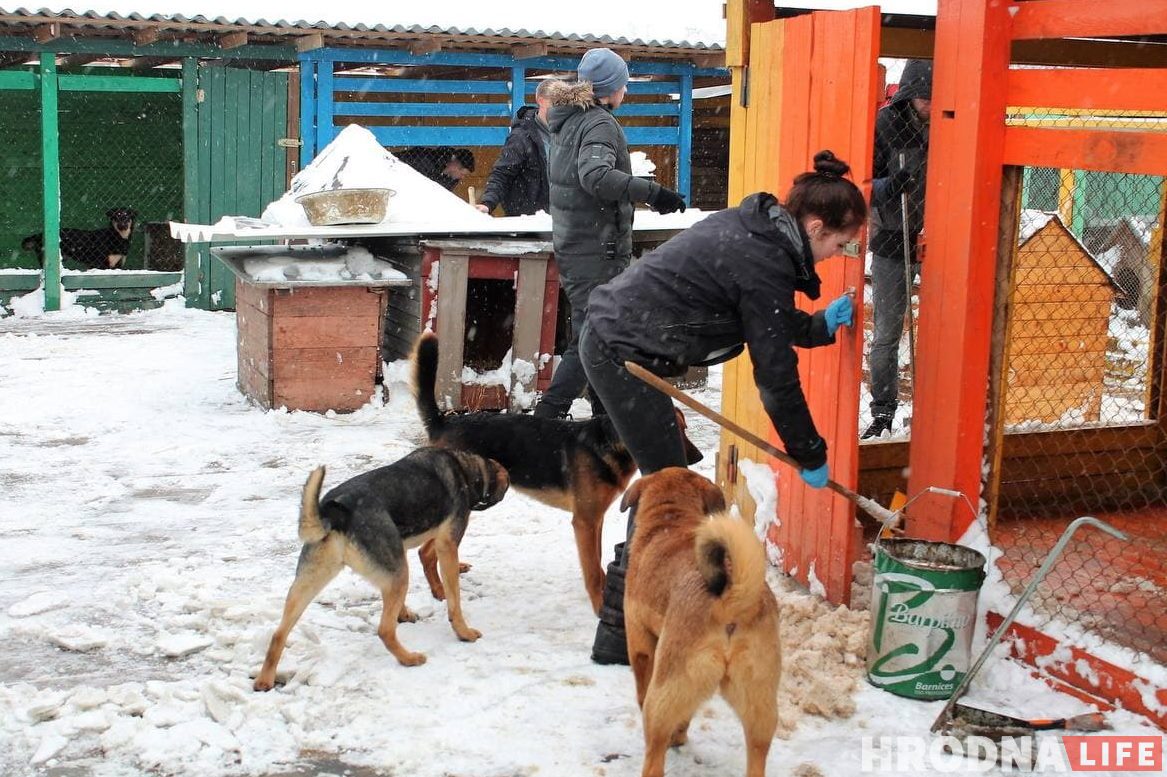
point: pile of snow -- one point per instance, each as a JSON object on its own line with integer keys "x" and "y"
{"x": 355, "y": 160}
{"x": 355, "y": 264}
{"x": 641, "y": 164}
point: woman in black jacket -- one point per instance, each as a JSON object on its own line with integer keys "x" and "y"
{"x": 724, "y": 283}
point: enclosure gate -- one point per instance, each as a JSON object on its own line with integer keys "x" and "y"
{"x": 801, "y": 85}
{"x": 1047, "y": 350}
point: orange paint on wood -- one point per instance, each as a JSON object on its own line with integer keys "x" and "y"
{"x": 1114, "y": 151}
{"x": 1095, "y": 89}
{"x": 961, "y": 221}
{"x": 1045, "y": 19}
{"x": 339, "y": 363}
{"x": 1104, "y": 680}
{"x": 319, "y": 301}
{"x": 319, "y": 395}
{"x": 323, "y": 332}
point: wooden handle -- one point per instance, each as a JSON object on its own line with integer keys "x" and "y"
{"x": 880, "y": 513}
{"x": 473, "y": 195}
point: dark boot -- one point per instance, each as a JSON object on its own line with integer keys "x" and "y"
{"x": 611, "y": 644}
{"x": 879, "y": 425}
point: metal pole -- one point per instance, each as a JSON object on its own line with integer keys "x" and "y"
{"x": 1046, "y": 565}
{"x": 908, "y": 281}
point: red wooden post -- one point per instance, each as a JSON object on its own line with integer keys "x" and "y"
{"x": 961, "y": 221}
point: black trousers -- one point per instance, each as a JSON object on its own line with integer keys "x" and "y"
{"x": 644, "y": 417}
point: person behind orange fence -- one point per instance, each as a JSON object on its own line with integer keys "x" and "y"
{"x": 518, "y": 180}
{"x": 898, "y": 172}
{"x": 727, "y": 282}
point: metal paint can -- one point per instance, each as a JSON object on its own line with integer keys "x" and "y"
{"x": 923, "y": 614}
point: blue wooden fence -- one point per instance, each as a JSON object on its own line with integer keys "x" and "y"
{"x": 320, "y": 85}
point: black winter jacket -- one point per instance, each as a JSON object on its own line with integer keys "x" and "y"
{"x": 897, "y": 130}
{"x": 727, "y": 281}
{"x": 518, "y": 180}
{"x": 592, "y": 186}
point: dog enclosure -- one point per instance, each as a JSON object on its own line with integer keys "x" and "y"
{"x": 1039, "y": 361}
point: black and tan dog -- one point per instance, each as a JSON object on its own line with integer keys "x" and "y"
{"x": 367, "y": 523}
{"x": 577, "y": 466}
{"x": 97, "y": 249}
{"x": 699, "y": 615}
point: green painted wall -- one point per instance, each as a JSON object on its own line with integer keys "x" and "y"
{"x": 117, "y": 149}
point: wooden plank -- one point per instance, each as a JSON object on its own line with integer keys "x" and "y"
{"x": 1096, "y": 89}
{"x": 254, "y": 385}
{"x": 529, "y": 302}
{"x": 1038, "y": 329}
{"x": 1051, "y": 292}
{"x": 1054, "y": 363}
{"x": 144, "y": 36}
{"x": 51, "y": 180}
{"x": 1045, "y": 19}
{"x": 309, "y": 42}
{"x": 321, "y": 395}
{"x": 740, "y": 15}
{"x": 358, "y": 302}
{"x": 1113, "y": 151}
{"x": 1022, "y": 346}
{"x": 1103, "y": 441}
{"x": 343, "y": 365}
{"x": 233, "y": 40}
{"x": 1079, "y": 276}
{"x": 322, "y": 332}
{"x": 453, "y": 279}
{"x": 1086, "y": 310}
{"x": 962, "y": 222}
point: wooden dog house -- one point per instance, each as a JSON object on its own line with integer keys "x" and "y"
{"x": 1059, "y": 332}
{"x": 493, "y": 303}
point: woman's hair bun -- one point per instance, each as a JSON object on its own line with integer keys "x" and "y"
{"x": 826, "y": 163}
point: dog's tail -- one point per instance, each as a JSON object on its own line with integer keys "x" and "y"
{"x": 425, "y": 377}
{"x": 312, "y": 529}
{"x": 733, "y": 563}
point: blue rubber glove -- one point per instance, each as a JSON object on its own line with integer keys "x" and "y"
{"x": 839, "y": 313}
{"x": 815, "y": 478}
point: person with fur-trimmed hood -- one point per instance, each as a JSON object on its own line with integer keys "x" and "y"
{"x": 593, "y": 194}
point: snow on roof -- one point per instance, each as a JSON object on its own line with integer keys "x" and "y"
{"x": 665, "y": 23}
{"x": 355, "y": 160}
{"x": 1032, "y": 221}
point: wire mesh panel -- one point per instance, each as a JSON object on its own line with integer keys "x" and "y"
{"x": 121, "y": 169}
{"x": 20, "y": 176}
{"x": 896, "y": 243}
{"x": 1078, "y": 417}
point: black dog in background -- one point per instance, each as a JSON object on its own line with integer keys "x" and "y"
{"x": 97, "y": 249}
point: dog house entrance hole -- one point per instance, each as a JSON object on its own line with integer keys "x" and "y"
{"x": 490, "y": 323}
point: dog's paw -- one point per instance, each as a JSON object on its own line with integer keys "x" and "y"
{"x": 406, "y": 658}
{"x": 407, "y": 616}
{"x": 264, "y": 684}
{"x": 438, "y": 592}
{"x": 467, "y": 634}
{"x": 463, "y": 567}
{"x": 680, "y": 736}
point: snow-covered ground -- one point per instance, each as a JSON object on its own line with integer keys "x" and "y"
{"x": 149, "y": 525}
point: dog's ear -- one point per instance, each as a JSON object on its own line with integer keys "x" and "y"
{"x": 109, "y": 214}
{"x": 712, "y": 497}
{"x": 632, "y": 495}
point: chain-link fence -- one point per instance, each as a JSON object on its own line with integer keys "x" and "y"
{"x": 895, "y": 252}
{"x": 121, "y": 179}
{"x": 1078, "y": 417}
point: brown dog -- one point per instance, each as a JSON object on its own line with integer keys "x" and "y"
{"x": 699, "y": 615}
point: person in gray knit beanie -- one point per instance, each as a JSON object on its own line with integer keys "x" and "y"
{"x": 606, "y": 71}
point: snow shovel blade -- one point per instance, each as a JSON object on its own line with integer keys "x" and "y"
{"x": 885, "y": 518}
{"x": 1090, "y": 721}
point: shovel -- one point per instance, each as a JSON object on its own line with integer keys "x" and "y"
{"x": 885, "y": 517}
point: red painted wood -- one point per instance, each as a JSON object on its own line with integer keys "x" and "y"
{"x": 1114, "y": 685}
{"x": 1044, "y": 19}
{"x": 1116, "y": 89}
{"x": 828, "y": 93}
{"x": 1116, "y": 151}
{"x": 961, "y": 221}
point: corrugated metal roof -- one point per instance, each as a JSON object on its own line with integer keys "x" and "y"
{"x": 95, "y": 18}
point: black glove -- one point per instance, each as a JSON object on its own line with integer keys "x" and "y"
{"x": 664, "y": 200}
{"x": 901, "y": 179}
